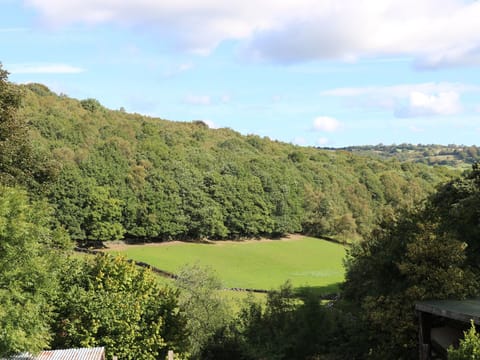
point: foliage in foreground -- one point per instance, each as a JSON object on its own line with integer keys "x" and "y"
{"x": 421, "y": 255}
{"x": 201, "y": 303}
{"x": 469, "y": 347}
{"x": 286, "y": 327}
{"x": 110, "y": 302}
{"x": 28, "y": 272}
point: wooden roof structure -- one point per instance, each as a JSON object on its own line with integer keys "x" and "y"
{"x": 460, "y": 310}
{"x": 442, "y": 323}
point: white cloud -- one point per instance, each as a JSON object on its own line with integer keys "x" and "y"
{"x": 44, "y": 69}
{"x": 421, "y": 104}
{"x": 198, "y": 100}
{"x": 433, "y": 32}
{"x": 408, "y": 100}
{"x": 322, "y": 141}
{"x": 326, "y": 123}
{"x": 196, "y": 26}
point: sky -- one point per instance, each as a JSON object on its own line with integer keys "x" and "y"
{"x": 310, "y": 72}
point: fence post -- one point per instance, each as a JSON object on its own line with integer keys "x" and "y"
{"x": 170, "y": 354}
{"x": 114, "y": 357}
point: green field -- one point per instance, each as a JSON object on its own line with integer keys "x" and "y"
{"x": 306, "y": 262}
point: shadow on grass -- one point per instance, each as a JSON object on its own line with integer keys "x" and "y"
{"x": 329, "y": 291}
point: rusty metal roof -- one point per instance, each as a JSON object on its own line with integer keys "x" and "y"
{"x": 97, "y": 353}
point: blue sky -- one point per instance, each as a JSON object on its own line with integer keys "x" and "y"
{"x": 310, "y": 72}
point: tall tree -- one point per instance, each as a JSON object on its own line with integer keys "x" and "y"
{"x": 202, "y": 304}
{"x": 27, "y": 272}
{"x": 12, "y": 131}
{"x": 404, "y": 261}
{"x": 19, "y": 162}
{"x": 108, "y": 301}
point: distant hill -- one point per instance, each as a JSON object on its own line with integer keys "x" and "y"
{"x": 126, "y": 175}
{"x": 457, "y": 156}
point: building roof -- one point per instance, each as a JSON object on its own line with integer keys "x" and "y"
{"x": 23, "y": 356}
{"x": 97, "y": 353}
{"x": 462, "y": 310}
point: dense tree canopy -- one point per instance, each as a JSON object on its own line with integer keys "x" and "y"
{"x": 129, "y": 175}
{"x": 429, "y": 253}
{"x": 202, "y": 304}
{"x": 28, "y": 267}
{"x": 110, "y": 302}
{"x": 456, "y": 206}
{"x": 20, "y": 162}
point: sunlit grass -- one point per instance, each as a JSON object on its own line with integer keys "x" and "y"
{"x": 306, "y": 262}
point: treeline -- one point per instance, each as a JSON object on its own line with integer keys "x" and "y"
{"x": 53, "y": 300}
{"x": 427, "y": 253}
{"x": 125, "y": 175}
{"x": 458, "y": 156}
{"x": 424, "y": 253}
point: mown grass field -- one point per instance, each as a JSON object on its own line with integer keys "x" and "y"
{"x": 266, "y": 264}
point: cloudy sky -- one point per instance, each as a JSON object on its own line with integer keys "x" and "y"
{"x": 310, "y": 72}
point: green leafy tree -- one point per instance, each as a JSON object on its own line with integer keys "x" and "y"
{"x": 21, "y": 163}
{"x": 202, "y": 305}
{"x": 102, "y": 222}
{"x": 469, "y": 347}
{"x": 288, "y": 326}
{"x": 13, "y": 132}
{"x": 91, "y": 105}
{"x": 110, "y": 302}
{"x": 403, "y": 262}
{"x": 456, "y": 205}
{"x": 182, "y": 180}
{"x": 27, "y": 272}
{"x": 87, "y": 210}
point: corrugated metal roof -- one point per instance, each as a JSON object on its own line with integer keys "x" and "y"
{"x": 97, "y": 353}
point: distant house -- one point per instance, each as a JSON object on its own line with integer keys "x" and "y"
{"x": 442, "y": 323}
{"x": 97, "y": 353}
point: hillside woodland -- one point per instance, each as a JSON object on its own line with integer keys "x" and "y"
{"x": 124, "y": 175}
{"x": 74, "y": 171}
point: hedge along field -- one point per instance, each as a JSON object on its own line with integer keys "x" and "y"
{"x": 266, "y": 264}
